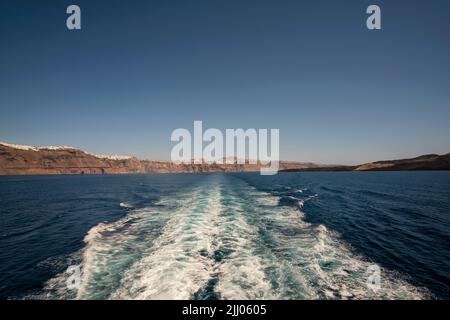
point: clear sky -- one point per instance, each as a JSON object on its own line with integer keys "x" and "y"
{"x": 137, "y": 70}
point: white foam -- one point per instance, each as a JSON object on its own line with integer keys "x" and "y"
{"x": 174, "y": 267}
{"x": 268, "y": 251}
{"x": 125, "y": 205}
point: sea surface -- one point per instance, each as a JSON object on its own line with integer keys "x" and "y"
{"x": 226, "y": 236}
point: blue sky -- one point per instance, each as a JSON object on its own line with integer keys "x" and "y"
{"x": 137, "y": 70}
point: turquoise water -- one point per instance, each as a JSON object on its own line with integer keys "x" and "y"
{"x": 227, "y": 236}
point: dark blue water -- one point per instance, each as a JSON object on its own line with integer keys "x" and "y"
{"x": 293, "y": 235}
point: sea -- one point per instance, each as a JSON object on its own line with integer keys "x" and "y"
{"x": 305, "y": 235}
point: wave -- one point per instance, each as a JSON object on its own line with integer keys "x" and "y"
{"x": 224, "y": 239}
{"x": 125, "y": 205}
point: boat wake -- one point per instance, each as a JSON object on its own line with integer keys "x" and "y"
{"x": 223, "y": 239}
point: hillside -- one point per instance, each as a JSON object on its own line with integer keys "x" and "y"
{"x": 28, "y": 160}
{"x": 425, "y": 162}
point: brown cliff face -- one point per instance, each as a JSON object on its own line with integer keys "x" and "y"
{"x": 425, "y": 162}
{"x": 21, "y": 160}
{"x": 47, "y": 161}
{"x": 66, "y": 160}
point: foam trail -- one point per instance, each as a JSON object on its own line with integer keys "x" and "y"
{"x": 224, "y": 239}
{"x": 112, "y": 249}
{"x": 178, "y": 264}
